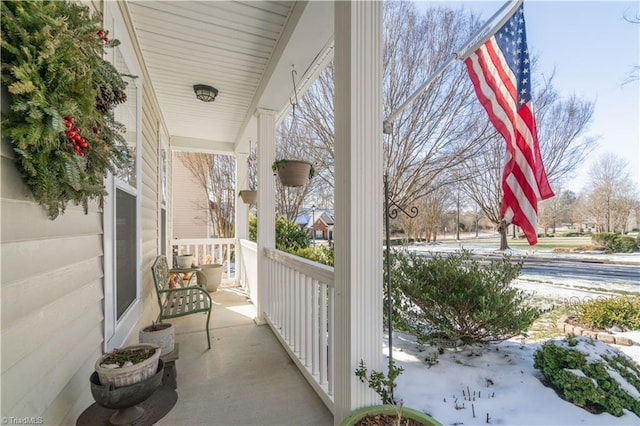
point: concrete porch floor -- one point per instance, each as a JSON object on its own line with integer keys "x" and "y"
{"x": 246, "y": 378}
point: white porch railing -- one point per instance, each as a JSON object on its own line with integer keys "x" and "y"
{"x": 248, "y": 268}
{"x": 209, "y": 250}
{"x": 299, "y": 307}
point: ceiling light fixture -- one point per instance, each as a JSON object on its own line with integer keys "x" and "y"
{"x": 205, "y": 93}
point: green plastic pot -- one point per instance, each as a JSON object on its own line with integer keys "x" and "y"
{"x": 390, "y": 410}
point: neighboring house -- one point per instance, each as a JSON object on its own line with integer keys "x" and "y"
{"x": 318, "y": 222}
{"x": 80, "y": 285}
{"x": 188, "y": 203}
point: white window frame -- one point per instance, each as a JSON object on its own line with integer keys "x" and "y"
{"x": 163, "y": 182}
{"x": 116, "y": 332}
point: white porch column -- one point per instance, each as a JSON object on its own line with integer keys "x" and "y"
{"x": 266, "y": 201}
{"x": 242, "y": 209}
{"x": 241, "y": 214}
{"x": 359, "y": 201}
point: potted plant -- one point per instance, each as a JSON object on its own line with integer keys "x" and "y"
{"x": 293, "y": 172}
{"x": 213, "y": 276}
{"x": 128, "y": 366}
{"x": 185, "y": 261}
{"x": 388, "y": 412}
{"x": 162, "y": 334}
{"x": 248, "y": 196}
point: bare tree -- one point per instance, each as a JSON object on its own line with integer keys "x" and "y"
{"x": 216, "y": 176}
{"x": 435, "y": 133}
{"x": 634, "y": 75}
{"x": 561, "y": 126}
{"x": 556, "y": 210}
{"x": 444, "y": 136}
{"x": 432, "y": 215}
{"x": 485, "y": 186}
{"x": 613, "y": 196}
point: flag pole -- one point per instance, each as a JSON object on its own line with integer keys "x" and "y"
{"x": 387, "y": 125}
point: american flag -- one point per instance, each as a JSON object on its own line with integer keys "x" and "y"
{"x": 499, "y": 69}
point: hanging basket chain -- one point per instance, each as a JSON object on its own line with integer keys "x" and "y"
{"x": 295, "y": 94}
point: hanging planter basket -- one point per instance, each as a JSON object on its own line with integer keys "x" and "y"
{"x": 293, "y": 173}
{"x": 248, "y": 196}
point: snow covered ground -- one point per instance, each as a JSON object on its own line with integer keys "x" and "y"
{"x": 500, "y": 378}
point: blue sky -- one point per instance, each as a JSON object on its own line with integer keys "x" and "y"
{"x": 593, "y": 51}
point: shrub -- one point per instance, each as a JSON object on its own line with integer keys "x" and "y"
{"x": 588, "y": 383}
{"x": 459, "y": 298}
{"x": 253, "y": 228}
{"x": 623, "y": 312}
{"x": 319, "y": 253}
{"x": 575, "y": 234}
{"x": 289, "y": 236}
{"x": 617, "y": 243}
{"x": 383, "y": 384}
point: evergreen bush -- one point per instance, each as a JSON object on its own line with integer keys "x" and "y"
{"x": 289, "y": 236}
{"x": 617, "y": 243}
{"x": 622, "y": 312}
{"x": 590, "y": 382}
{"x": 459, "y": 298}
{"x": 319, "y": 253}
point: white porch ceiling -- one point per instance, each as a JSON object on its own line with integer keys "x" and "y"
{"x": 245, "y": 49}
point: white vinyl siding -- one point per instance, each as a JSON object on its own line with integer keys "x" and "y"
{"x": 52, "y": 277}
{"x": 52, "y": 281}
{"x": 188, "y": 203}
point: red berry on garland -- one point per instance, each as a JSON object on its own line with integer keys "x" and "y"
{"x": 71, "y": 133}
{"x": 77, "y": 137}
{"x": 100, "y": 33}
{"x": 69, "y": 118}
{"x": 67, "y": 124}
{"x": 83, "y": 143}
{"x": 106, "y": 39}
{"x": 96, "y": 131}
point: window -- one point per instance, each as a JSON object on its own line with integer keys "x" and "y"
{"x": 122, "y": 211}
{"x": 163, "y": 193}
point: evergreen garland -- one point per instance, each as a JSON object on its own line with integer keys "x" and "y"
{"x": 62, "y": 93}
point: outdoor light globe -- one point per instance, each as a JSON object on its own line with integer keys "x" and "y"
{"x": 205, "y": 93}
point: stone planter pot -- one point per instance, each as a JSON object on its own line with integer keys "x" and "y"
{"x": 249, "y": 197}
{"x": 129, "y": 375}
{"x": 391, "y": 411}
{"x": 185, "y": 261}
{"x": 125, "y": 399}
{"x": 293, "y": 172}
{"x": 162, "y": 334}
{"x": 213, "y": 275}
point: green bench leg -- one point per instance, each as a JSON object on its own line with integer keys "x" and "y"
{"x": 207, "y": 327}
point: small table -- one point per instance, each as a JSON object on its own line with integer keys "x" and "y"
{"x": 186, "y": 274}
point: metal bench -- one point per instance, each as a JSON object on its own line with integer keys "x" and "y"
{"x": 180, "y": 301}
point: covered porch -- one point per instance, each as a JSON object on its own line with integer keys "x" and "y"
{"x": 247, "y": 378}
{"x": 61, "y": 312}
{"x": 299, "y": 301}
